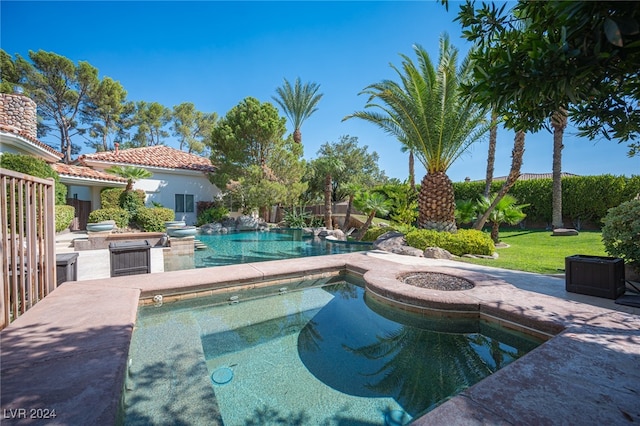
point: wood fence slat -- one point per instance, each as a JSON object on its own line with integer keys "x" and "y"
{"x": 27, "y": 247}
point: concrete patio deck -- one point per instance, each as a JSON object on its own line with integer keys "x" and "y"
{"x": 69, "y": 352}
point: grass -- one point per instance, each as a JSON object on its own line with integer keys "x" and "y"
{"x": 537, "y": 251}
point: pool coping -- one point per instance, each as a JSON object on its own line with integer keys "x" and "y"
{"x": 69, "y": 352}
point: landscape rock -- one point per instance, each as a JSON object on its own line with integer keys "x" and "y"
{"x": 481, "y": 256}
{"x": 211, "y": 228}
{"x": 229, "y": 223}
{"x": 437, "y": 253}
{"x": 408, "y": 251}
{"x": 338, "y": 234}
{"x": 250, "y": 223}
{"x": 390, "y": 241}
{"x": 563, "y": 232}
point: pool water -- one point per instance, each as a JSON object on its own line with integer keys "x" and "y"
{"x": 257, "y": 246}
{"x": 319, "y": 356}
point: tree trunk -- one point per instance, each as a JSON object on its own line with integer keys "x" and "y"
{"x": 347, "y": 216}
{"x": 366, "y": 226}
{"x": 436, "y": 203}
{"x": 495, "y": 232}
{"x": 297, "y": 136}
{"x": 516, "y": 164}
{"x": 412, "y": 171}
{"x": 491, "y": 157}
{"x": 327, "y": 201}
{"x": 559, "y": 123}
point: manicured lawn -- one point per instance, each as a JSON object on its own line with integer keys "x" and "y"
{"x": 537, "y": 251}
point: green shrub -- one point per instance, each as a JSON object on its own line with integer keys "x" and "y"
{"x": 374, "y": 232}
{"x": 621, "y": 232}
{"x": 152, "y": 219}
{"x": 34, "y": 167}
{"x": 465, "y": 241}
{"x": 120, "y": 216}
{"x": 64, "y": 216}
{"x": 211, "y": 215}
{"x": 132, "y": 201}
{"x": 584, "y": 198}
{"x": 110, "y": 198}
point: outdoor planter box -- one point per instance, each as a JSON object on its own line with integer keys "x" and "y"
{"x": 130, "y": 258}
{"x": 66, "y": 267}
{"x": 595, "y": 275}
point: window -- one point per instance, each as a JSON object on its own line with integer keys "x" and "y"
{"x": 184, "y": 203}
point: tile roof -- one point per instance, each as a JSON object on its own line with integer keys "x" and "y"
{"x": 26, "y": 137}
{"x": 154, "y": 156}
{"x": 532, "y": 176}
{"x": 85, "y": 172}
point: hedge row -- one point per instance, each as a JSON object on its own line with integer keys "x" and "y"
{"x": 585, "y": 199}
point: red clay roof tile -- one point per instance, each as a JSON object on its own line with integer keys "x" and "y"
{"x": 85, "y": 172}
{"x": 25, "y": 136}
{"x": 154, "y": 156}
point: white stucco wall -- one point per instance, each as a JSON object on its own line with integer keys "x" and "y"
{"x": 164, "y": 185}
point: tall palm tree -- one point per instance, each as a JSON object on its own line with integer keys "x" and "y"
{"x": 131, "y": 173}
{"x": 559, "y": 123}
{"x": 327, "y": 167}
{"x": 426, "y": 112}
{"x": 298, "y": 103}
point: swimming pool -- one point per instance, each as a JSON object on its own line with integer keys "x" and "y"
{"x": 320, "y": 355}
{"x": 257, "y": 246}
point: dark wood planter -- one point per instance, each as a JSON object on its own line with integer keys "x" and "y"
{"x": 130, "y": 258}
{"x": 595, "y": 276}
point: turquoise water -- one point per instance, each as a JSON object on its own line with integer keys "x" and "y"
{"x": 249, "y": 246}
{"x": 318, "y": 356}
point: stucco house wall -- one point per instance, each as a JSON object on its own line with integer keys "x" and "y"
{"x": 179, "y": 180}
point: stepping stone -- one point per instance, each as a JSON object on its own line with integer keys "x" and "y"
{"x": 564, "y": 232}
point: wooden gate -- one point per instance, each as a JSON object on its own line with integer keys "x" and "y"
{"x": 83, "y": 208}
{"x": 27, "y": 247}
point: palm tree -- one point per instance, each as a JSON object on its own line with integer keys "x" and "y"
{"x": 370, "y": 204}
{"x": 559, "y": 123}
{"x": 505, "y": 211}
{"x": 131, "y": 173}
{"x": 351, "y": 189}
{"x": 328, "y": 166}
{"x": 427, "y": 113}
{"x": 298, "y": 103}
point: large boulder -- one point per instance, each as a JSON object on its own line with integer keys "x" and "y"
{"x": 249, "y": 223}
{"x": 229, "y": 223}
{"x": 437, "y": 253}
{"x": 390, "y": 241}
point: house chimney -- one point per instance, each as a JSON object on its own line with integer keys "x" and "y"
{"x": 117, "y": 145}
{"x": 20, "y": 113}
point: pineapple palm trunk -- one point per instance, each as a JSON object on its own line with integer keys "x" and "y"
{"x": 436, "y": 202}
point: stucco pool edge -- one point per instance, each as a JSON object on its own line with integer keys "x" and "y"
{"x": 45, "y": 369}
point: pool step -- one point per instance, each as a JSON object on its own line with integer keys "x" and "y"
{"x": 199, "y": 245}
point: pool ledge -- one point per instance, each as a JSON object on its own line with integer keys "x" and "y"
{"x": 69, "y": 352}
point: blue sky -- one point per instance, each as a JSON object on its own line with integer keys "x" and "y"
{"x": 215, "y": 54}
